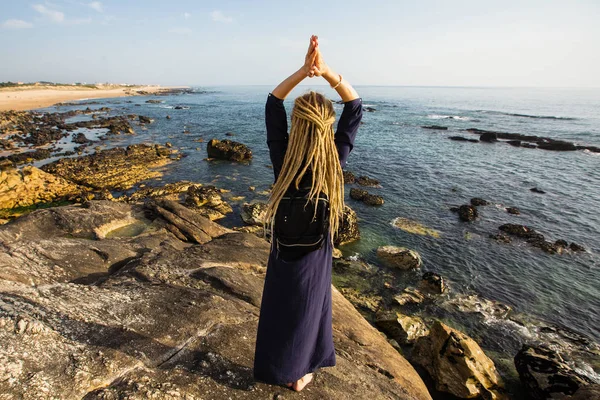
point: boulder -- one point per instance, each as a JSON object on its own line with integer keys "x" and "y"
{"x": 414, "y": 227}
{"x": 145, "y": 120}
{"x": 151, "y": 316}
{"x": 476, "y": 201}
{"x": 536, "y": 190}
{"x": 348, "y": 231}
{"x": 373, "y": 200}
{"x": 467, "y": 213}
{"x": 521, "y": 231}
{"x": 435, "y": 127}
{"x": 576, "y": 247}
{"x": 399, "y": 257}
{"x": 513, "y": 210}
{"x": 432, "y": 283}
{"x": 462, "y": 139}
{"x": 402, "y": 328}
{"x": 228, "y": 150}
{"x": 208, "y": 200}
{"x": 409, "y": 296}
{"x": 489, "y": 137}
{"x": 254, "y": 213}
{"x": 501, "y": 237}
{"x": 349, "y": 177}
{"x": 366, "y": 181}
{"x": 515, "y": 143}
{"x": 358, "y": 194}
{"x": 457, "y": 364}
{"x": 545, "y": 374}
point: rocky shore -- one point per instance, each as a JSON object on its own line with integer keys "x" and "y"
{"x": 113, "y": 288}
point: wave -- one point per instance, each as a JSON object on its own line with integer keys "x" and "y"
{"x": 527, "y": 115}
{"x": 456, "y": 117}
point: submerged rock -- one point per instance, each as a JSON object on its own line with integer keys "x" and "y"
{"x": 366, "y": 197}
{"x": 545, "y": 374}
{"x": 358, "y": 194}
{"x": 402, "y": 328}
{"x": 435, "y": 127}
{"x": 489, "y": 137}
{"x": 513, "y": 210}
{"x": 476, "y": 202}
{"x": 228, "y": 150}
{"x": 521, "y": 231}
{"x": 399, "y": 257}
{"x": 501, "y": 237}
{"x": 366, "y": 181}
{"x": 536, "y": 190}
{"x": 414, "y": 227}
{"x": 467, "y": 213}
{"x": 457, "y": 364}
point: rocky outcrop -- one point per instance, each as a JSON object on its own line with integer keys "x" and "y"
{"x": 462, "y": 139}
{"x": 152, "y": 316}
{"x": 545, "y": 374}
{"x": 254, "y": 213}
{"x": 513, "y": 210}
{"x": 531, "y": 141}
{"x": 228, "y": 150}
{"x": 489, "y": 137}
{"x": 399, "y": 257}
{"x": 349, "y": 177}
{"x": 30, "y": 186}
{"x": 114, "y": 169}
{"x": 476, "y": 202}
{"x": 457, "y": 364}
{"x": 432, "y": 283}
{"x": 467, "y": 213}
{"x": 348, "y": 231}
{"x": 414, "y": 227}
{"x": 366, "y": 197}
{"x": 402, "y": 328}
{"x": 366, "y": 181}
{"x": 208, "y": 202}
{"x": 435, "y": 127}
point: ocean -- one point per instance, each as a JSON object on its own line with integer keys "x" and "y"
{"x": 423, "y": 174}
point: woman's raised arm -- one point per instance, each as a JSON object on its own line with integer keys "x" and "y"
{"x": 284, "y": 88}
{"x": 343, "y": 87}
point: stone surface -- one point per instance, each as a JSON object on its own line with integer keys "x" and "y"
{"x": 348, "y": 231}
{"x": 545, "y": 374}
{"x": 366, "y": 181}
{"x": 254, "y": 213}
{"x": 457, "y": 364}
{"x": 208, "y": 201}
{"x": 228, "y": 150}
{"x": 414, "y": 227}
{"x": 432, "y": 283}
{"x": 467, "y": 213}
{"x": 349, "y": 177}
{"x": 399, "y": 257}
{"x": 358, "y": 194}
{"x": 151, "y": 316}
{"x": 29, "y": 186}
{"x": 409, "y": 296}
{"x": 402, "y": 328}
{"x": 513, "y": 210}
{"x": 476, "y": 201}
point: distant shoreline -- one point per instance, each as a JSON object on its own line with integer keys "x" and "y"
{"x": 32, "y": 97}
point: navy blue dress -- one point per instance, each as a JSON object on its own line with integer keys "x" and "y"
{"x": 294, "y": 334}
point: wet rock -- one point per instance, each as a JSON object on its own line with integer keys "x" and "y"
{"x": 476, "y": 201}
{"x": 254, "y": 213}
{"x": 432, "y": 283}
{"x": 409, "y": 296}
{"x": 576, "y": 247}
{"x": 228, "y": 150}
{"x": 467, "y": 213}
{"x": 208, "y": 201}
{"x": 366, "y": 181}
{"x": 414, "y": 227}
{"x": 536, "y": 190}
{"x": 348, "y": 231}
{"x": 80, "y": 138}
{"x": 373, "y": 200}
{"x": 457, "y": 364}
{"x": 369, "y": 109}
{"x": 561, "y": 243}
{"x": 501, "y": 237}
{"x": 358, "y": 194}
{"x": 435, "y": 127}
{"x": 145, "y": 120}
{"x": 529, "y": 145}
{"x": 556, "y": 145}
{"x": 28, "y": 156}
{"x": 349, "y": 177}
{"x": 521, "y": 231}
{"x": 515, "y": 143}
{"x": 152, "y": 101}
{"x": 170, "y": 191}
{"x": 30, "y": 186}
{"x": 513, "y": 210}
{"x": 168, "y": 117}
{"x": 402, "y": 328}
{"x": 399, "y": 257}
{"x": 169, "y": 318}
{"x": 544, "y": 245}
{"x": 360, "y": 300}
{"x": 6, "y": 165}
{"x": 545, "y": 374}
{"x": 489, "y": 137}
{"x": 230, "y": 134}
{"x": 470, "y": 303}
{"x": 168, "y": 144}
{"x": 115, "y": 169}
{"x": 462, "y": 139}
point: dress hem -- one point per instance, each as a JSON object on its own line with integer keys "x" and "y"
{"x": 283, "y": 381}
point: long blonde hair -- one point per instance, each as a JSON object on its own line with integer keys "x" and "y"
{"x": 311, "y": 147}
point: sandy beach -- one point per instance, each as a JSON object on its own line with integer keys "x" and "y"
{"x": 32, "y": 97}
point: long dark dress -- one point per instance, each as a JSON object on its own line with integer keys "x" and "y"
{"x": 294, "y": 334}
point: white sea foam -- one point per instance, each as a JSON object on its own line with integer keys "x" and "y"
{"x": 455, "y": 117}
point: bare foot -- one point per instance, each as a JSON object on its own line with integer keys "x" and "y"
{"x": 302, "y": 382}
{"x": 289, "y": 385}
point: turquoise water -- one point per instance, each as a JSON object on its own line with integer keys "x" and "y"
{"x": 423, "y": 174}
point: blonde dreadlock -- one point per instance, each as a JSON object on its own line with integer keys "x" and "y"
{"x": 311, "y": 147}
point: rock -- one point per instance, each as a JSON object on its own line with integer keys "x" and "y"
{"x": 169, "y": 318}
{"x": 348, "y": 231}
{"x": 230, "y": 134}
{"x": 366, "y": 181}
{"x": 576, "y": 247}
{"x": 168, "y": 117}
{"x": 489, "y": 137}
{"x": 544, "y": 245}
{"x": 31, "y": 186}
{"x": 409, "y": 296}
{"x": 502, "y": 238}
{"x": 587, "y": 392}
{"x": 400, "y": 327}
{"x": 373, "y": 200}
{"x": 462, "y": 139}
{"x": 349, "y": 177}
{"x": 169, "y": 191}
{"x": 358, "y": 194}
{"x": 436, "y": 127}
{"x": 145, "y": 120}
{"x": 521, "y": 231}
{"x": 529, "y": 145}
{"x": 151, "y": 101}
{"x": 80, "y": 138}
{"x": 515, "y": 143}
{"x": 228, "y": 150}
{"x": 432, "y": 283}
{"x": 457, "y": 364}
{"x": 168, "y": 144}
{"x": 470, "y": 303}
{"x": 556, "y": 145}
{"x": 513, "y": 210}
{"x": 561, "y": 243}
{"x": 116, "y": 169}
{"x": 251, "y": 188}
{"x": 208, "y": 200}
{"x": 369, "y": 109}
{"x": 254, "y": 214}
{"x": 414, "y": 227}
{"x": 536, "y": 190}
{"x": 6, "y": 165}
{"x": 476, "y": 201}
{"x": 545, "y": 374}
{"x": 467, "y": 213}
{"x": 399, "y": 257}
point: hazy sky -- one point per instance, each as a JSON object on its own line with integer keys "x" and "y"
{"x": 395, "y": 42}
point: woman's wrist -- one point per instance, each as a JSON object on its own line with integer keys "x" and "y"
{"x": 331, "y": 77}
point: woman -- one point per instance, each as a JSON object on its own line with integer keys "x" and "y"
{"x": 294, "y": 335}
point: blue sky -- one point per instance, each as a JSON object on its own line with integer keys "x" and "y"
{"x": 428, "y": 42}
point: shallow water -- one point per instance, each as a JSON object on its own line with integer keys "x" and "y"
{"x": 423, "y": 174}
